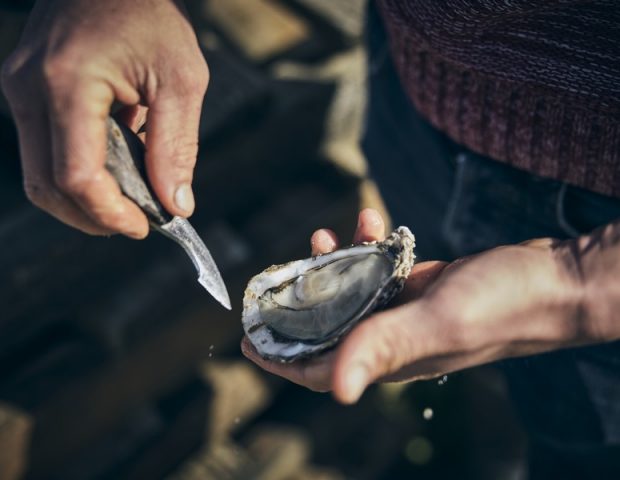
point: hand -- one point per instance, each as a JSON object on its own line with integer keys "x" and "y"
{"x": 75, "y": 59}
{"x": 509, "y": 301}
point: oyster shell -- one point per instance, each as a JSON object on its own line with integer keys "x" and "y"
{"x": 302, "y": 308}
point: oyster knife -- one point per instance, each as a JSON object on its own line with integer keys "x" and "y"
{"x": 125, "y": 161}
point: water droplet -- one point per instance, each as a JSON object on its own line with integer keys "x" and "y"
{"x": 442, "y": 380}
{"x": 211, "y": 347}
{"x": 428, "y": 413}
{"x": 210, "y": 355}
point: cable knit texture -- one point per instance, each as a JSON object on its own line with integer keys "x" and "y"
{"x": 533, "y": 83}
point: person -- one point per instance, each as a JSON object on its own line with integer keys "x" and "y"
{"x": 493, "y": 131}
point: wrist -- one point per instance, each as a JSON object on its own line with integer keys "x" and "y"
{"x": 597, "y": 261}
{"x": 565, "y": 301}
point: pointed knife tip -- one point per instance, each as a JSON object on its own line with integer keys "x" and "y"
{"x": 223, "y": 300}
{"x": 218, "y": 292}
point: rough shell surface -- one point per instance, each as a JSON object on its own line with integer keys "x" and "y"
{"x": 271, "y": 344}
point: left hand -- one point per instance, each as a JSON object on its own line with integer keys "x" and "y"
{"x": 506, "y": 302}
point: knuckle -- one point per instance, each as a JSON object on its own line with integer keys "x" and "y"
{"x": 7, "y": 75}
{"x": 74, "y": 181}
{"x": 36, "y": 194}
{"x": 59, "y": 62}
{"x": 54, "y": 69}
{"x": 60, "y": 69}
{"x": 194, "y": 78}
{"x": 11, "y": 74}
{"x": 114, "y": 219}
{"x": 19, "y": 80}
{"x": 111, "y": 215}
{"x": 183, "y": 156}
{"x": 203, "y": 75}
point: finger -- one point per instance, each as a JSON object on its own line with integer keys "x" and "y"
{"x": 30, "y": 116}
{"x": 134, "y": 116}
{"x": 43, "y": 194}
{"x": 323, "y": 241}
{"x": 388, "y": 341}
{"x": 314, "y": 374}
{"x": 379, "y": 346}
{"x": 172, "y": 140}
{"x": 35, "y": 153}
{"x": 78, "y": 121}
{"x": 370, "y": 227}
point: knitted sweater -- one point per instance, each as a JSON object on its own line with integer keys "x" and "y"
{"x": 533, "y": 83}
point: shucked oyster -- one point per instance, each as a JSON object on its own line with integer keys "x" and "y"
{"x": 304, "y": 307}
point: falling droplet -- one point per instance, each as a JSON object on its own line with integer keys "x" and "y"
{"x": 210, "y": 355}
{"x": 428, "y": 413}
{"x": 211, "y": 347}
{"x": 442, "y": 380}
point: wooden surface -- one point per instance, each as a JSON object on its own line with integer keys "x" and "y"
{"x": 15, "y": 431}
{"x": 260, "y": 28}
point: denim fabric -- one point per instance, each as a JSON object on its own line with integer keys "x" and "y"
{"x": 459, "y": 203}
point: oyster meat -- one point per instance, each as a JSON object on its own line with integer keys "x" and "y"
{"x": 302, "y": 308}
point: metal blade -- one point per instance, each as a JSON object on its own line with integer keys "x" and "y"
{"x": 182, "y": 232}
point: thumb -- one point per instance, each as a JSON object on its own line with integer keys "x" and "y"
{"x": 172, "y": 142}
{"x": 378, "y": 347}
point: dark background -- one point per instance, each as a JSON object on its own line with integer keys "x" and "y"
{"x": 114, "y": 363}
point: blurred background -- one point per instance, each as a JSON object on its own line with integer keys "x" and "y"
{"x": 114, "y": 363}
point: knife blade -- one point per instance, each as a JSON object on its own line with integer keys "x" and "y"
{"x": 125, "y": 161}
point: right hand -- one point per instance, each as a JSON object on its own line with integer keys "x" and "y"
{"x": 75, "y": 59}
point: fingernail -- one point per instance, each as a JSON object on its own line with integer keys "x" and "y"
{"x": 356, "y": 383}
{"x": 376, "y": 220}
{"x": 326, "y": 239}
{"x": 184, "y": 198}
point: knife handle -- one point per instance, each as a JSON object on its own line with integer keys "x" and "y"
{"x": 125, "y": 161}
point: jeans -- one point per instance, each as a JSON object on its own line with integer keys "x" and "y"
{"x": 459, "y": 203}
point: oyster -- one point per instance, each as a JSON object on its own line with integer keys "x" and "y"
{"x": 302, "y": 308}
